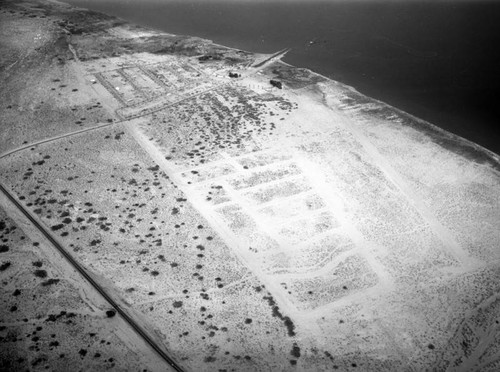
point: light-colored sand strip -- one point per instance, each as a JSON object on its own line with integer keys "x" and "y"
{"x": 449, "y": 241}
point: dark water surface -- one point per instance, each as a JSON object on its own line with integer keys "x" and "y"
{"x": 439, "y": 61}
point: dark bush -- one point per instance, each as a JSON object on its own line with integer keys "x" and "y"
{"x": 50, "y": 282}
{"x": 295, "y": 351}
{"x": 40, "y": 273}
{"x": 177, "y": 304}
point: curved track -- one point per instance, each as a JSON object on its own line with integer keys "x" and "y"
{"x": 51, "y": 139}
{"x": 135, "y": 326}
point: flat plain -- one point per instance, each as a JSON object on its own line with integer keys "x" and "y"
{"x": 243, "y": 226}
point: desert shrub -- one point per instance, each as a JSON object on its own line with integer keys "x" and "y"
{"x": 177, "y": 304}
{"x": 40, "y": 273}
{"x": 295, "y": 351}
{"x": 50, "y": 282}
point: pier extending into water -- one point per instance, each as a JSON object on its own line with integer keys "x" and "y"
{"x": 275, "y": 57}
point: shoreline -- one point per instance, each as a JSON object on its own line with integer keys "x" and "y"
{"x": 459, "y": 118}
{"x": 478, "y": 147}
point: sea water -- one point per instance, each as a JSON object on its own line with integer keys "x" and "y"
{"x": 438, "y": 60}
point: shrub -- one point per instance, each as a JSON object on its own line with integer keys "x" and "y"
{"x": 50, "y": 282}
{"x": 40, "y": 273}
{"x": 177, "y": 304}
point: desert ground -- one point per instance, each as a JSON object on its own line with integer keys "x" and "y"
{"x": 241, "y": 226}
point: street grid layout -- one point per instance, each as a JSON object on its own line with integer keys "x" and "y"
{"x": 248, "y": 226}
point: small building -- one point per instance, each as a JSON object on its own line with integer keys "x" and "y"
{"x": 277, "y": 84}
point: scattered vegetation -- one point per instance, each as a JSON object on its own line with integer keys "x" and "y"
{"x": 290, "y": 326}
